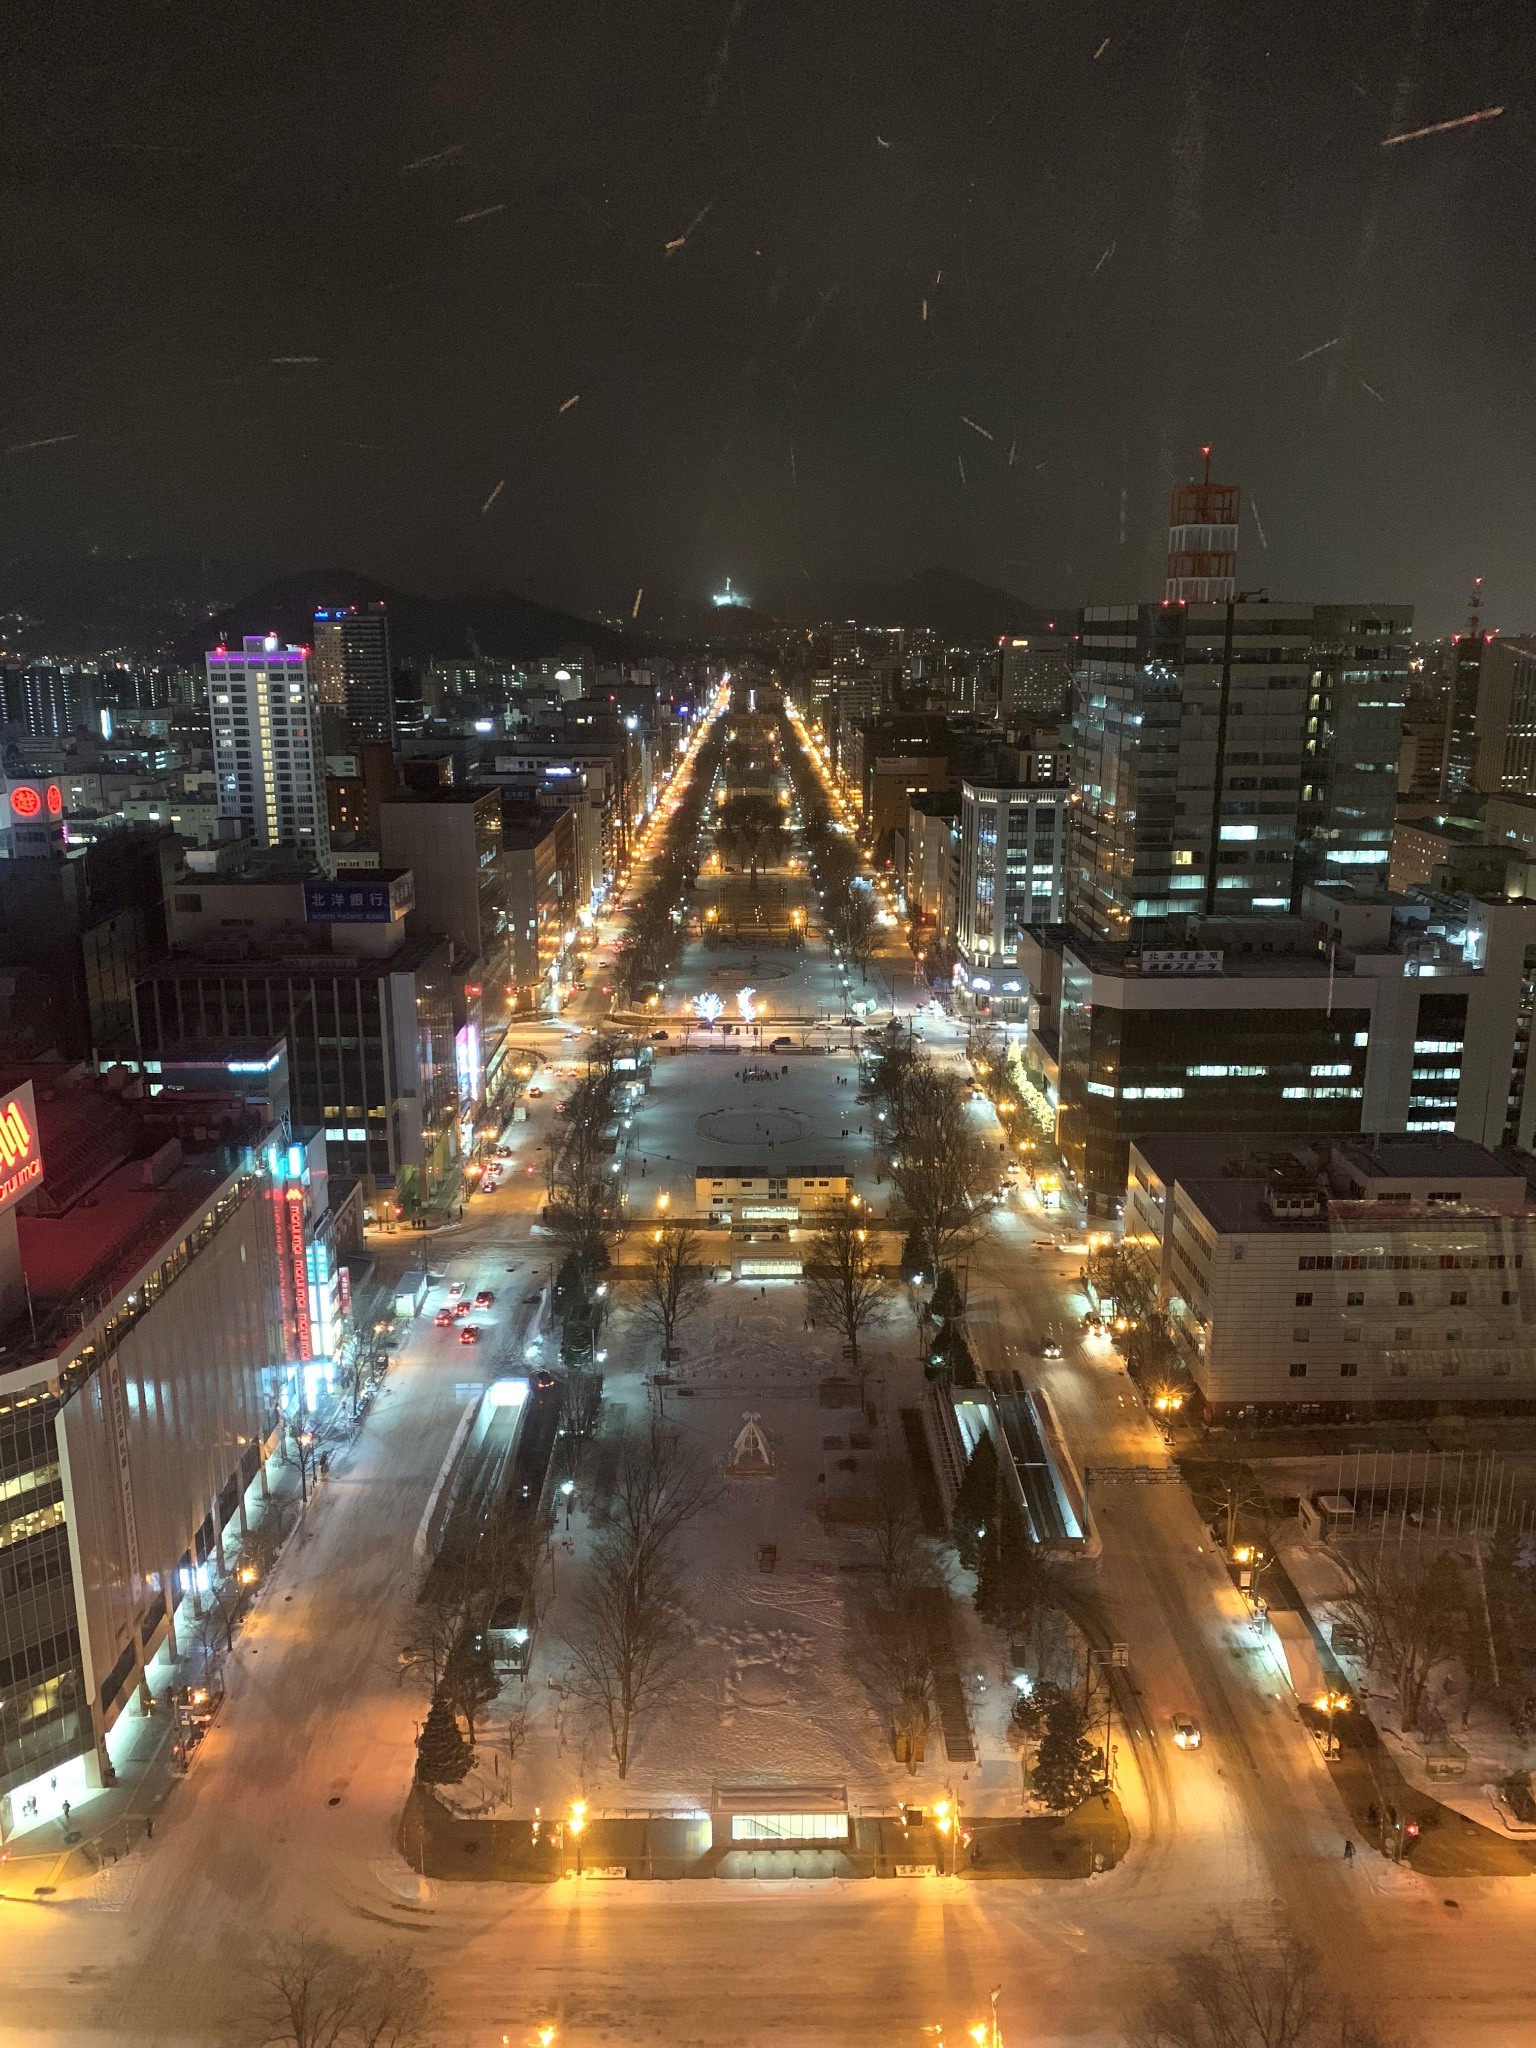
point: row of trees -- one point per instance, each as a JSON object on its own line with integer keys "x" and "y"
{"x": 1022, "y": 1592}
{"x": 847, "y": 910}
{"x": 653, "y": 935}
{"x": 750, "y": 831}
{"x": 584, "y": 1204}
{"x": 631, "y": 1628}
{"x": 480, "y": 1571}
{"x": 942, "y": 1165}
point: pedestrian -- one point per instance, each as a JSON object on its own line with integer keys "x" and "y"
{"x": 1349, "y": 1851}
{"x": 149, "y": 1829}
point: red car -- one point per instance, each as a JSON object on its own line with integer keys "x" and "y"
{"x": 460, "y": 1310}
{"x": 443, "y": 1318}
{"x": 469, "y": 1334}
{"x": 485, "y": 1298}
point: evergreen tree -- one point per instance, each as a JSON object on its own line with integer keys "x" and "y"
{"x": 946, "y": 1305}
{"x": 1006, "y": 1566}
{"x": 980, "y": 1486}
{"x": 470, "y": 1682}
{"x": 1066, "y": 1763}
{"x": 442, "y": 1754}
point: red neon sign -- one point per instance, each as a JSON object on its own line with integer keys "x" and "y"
{"x": 21, "y": 1156}
{"x": 55, "y": 800}
{"x": 26, "y": 803}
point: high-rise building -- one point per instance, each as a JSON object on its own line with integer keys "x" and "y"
{"x": 352, "y": 663}
{"x": 1032, "y": 680}
{"x": 1504, "y": 740}
{"x": 264, "y": 709}
{"x": 1459, "y": 760}
{"x": 1012, "y": 847}
{"x": 1228, "y": 753}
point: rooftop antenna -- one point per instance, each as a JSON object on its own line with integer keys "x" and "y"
{"x": 1475, "y": 609}
{"x": 1205, "y": 456}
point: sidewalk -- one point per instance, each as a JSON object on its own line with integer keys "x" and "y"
{"x": 58, "y": 1855}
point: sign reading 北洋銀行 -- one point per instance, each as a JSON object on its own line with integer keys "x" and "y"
{"x": 21, "y": 1153}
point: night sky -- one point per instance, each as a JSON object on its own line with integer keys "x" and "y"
{"x": 1128, "y": 221}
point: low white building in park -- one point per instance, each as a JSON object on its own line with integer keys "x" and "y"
{"x": 1341, "y": 1278}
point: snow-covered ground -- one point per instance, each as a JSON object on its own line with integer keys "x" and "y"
{"x": 1492, "y": 1748}
{"x": 770, "y": 1685}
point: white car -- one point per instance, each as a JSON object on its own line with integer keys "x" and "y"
{"x": 1186, "y": 1731}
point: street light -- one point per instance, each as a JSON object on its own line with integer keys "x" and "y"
{"x": 578, "y": 1822}
{"x": 1330, "y": 1704}
{"x": 567, "y": 1488}
{"x": 946, "y": 1816}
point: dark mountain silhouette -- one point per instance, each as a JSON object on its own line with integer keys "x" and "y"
{"x": 954, "y": 605}
{"x": 489, "y": 623}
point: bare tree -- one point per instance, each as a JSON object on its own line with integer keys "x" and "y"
{"x": 303, "y": 1446}
{"x": 660, "y": 1484}
{"x": 856, "y": 928}
{"x": 394, "y": 2004}
{"x": 844, "y": 1286}
{"x": 581, "y": 1401}
{"x": 889, "y": 1650}
{"x": 308, "y": 1994}
{"x": 942, "y": 1170}
{"x": 519, "y": 1728}
{"x": 904, "y": 1554}
{"x": 435, "y": 1625}
{"x": 1237, "y": 1993}
{"x": 630, "y": 1629}
{"x": 670, "y": 1281}
{"x": 1411, "y": 1615}
{"x": 262, "y": 1543}
{"x": 628, "y": 1640}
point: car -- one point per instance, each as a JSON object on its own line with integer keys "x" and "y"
{"x": 485, "y": 1298}
{"x": 1051, "y": 1349}
{"x": 543, "y": 1379}
{"x": 501, "y": 1151}
{"x": 443, "y": 1318}
{"x": 782, "y": 1045}
{"x": 1186, "y": 1731}
{"x": 460, "y": 1311}
{"x": 469, "y": 1334}
{"x": 456, "y": 1290}
{"x": 534, "y": 1092}
{"x": 660, "y": 1037}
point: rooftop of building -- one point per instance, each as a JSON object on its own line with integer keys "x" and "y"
{"x": 257, "y": 952}
{"x": 1244, "y": 1207}
{"x": 521, "y": 830}
{"x": 935, "y": 803}
{"x": 1447, "y": 1159}
{"x": 123, "y": 1172}
{"x": 443, "y": 793}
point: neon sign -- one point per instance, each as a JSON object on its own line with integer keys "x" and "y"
{"x": 26, "y": 803}
{"x": 21, "y": 1156}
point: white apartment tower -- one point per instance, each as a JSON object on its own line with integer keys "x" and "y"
{"x": 264, "y": 708}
